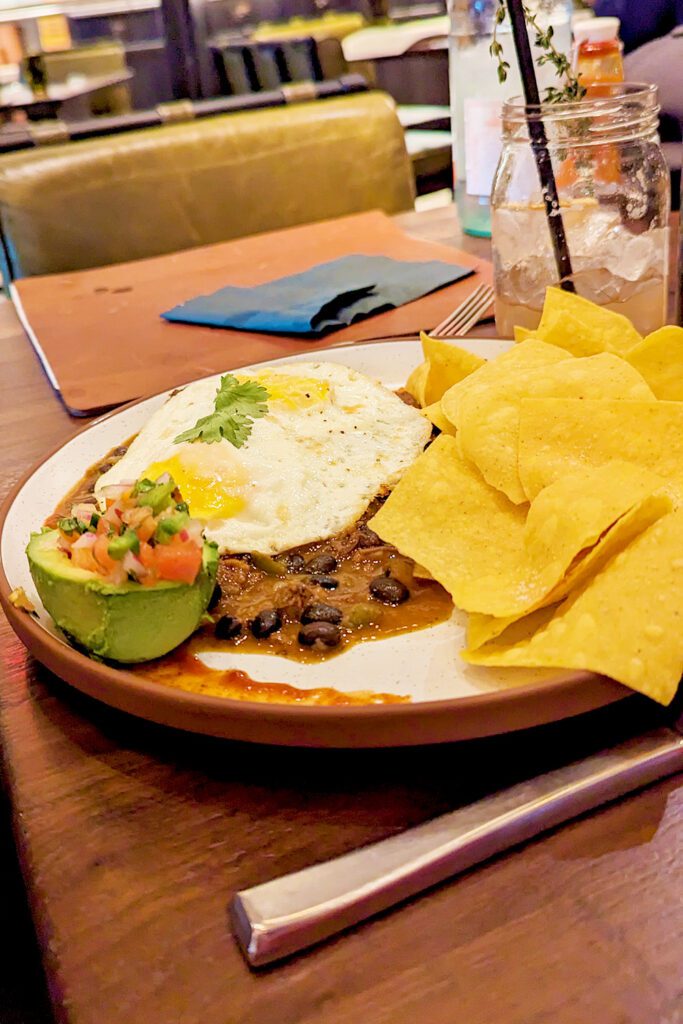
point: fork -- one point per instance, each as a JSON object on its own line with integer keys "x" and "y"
{"x": 466, "y": 315}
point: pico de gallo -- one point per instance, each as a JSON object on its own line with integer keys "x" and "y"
{"x": 145, "y": 535}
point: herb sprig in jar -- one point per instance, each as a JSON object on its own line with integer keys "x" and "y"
{"x": 571, "y": 89}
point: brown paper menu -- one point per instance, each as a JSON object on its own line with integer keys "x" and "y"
{"x": 102, "y": 341}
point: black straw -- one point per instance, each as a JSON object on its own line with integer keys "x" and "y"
{"x": 539, "y": 145}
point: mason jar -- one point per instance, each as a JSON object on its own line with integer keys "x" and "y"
{"x": 615, "y": 195}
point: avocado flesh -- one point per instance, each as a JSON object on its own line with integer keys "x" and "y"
{"x": 125, "y": 623}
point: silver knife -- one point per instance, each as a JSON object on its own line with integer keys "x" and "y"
{"x": 287, "y": 914}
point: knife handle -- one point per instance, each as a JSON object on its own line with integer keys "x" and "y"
{"x": 287, "y": 914}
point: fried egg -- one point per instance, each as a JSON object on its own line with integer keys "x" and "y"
{"x": 331, "y": 440}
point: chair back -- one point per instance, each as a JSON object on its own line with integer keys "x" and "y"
{"x": 159, "y": 190}
{"x": 92, "y": 60}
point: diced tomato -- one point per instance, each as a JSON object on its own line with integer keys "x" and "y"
{"x": 83, "y": 558}
{"x": 179, "y": 561}
{"x": 146, "y": 554}
{"x": 102, "y": 556}
{"x": 111, "y": 520}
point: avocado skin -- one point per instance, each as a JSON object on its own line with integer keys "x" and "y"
{"x": 128, "y": 623}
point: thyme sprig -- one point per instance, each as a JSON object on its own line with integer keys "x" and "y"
{"x": 571, "y": 88}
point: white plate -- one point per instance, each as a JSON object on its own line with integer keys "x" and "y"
{"x": 424, "y": 665}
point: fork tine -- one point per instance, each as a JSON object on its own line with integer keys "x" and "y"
{"x": 476, "y": 315}
{"x": 459, "y": 312}
{"x": 464, "y": 309}
{"x": 469, "y": 317}
{"x": 485, "y": 303}
{"x": 466, "y": 314}
{"x": 458, "y": 323}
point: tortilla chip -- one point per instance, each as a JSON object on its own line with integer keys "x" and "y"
{"x": 582, "y": 327}
{"x": 446, "y": 517}
{"x": 522, "y": 334}
{"x": 646, "y": 511}
{"x": 482, "y": 548}
{"x": 488, "y": 418}
{"x": 588, "y": 630}
{"x": 415, "y": 385}
{"x": 659, "y": 358}
{"x": 434, "y": 414}
{"x": 567, "y": 525}
{"x": 481, "y": 629}
{"x": 448, "y": 364}
{"x": 527, "y": 355}
{"x": 559, "y": 436}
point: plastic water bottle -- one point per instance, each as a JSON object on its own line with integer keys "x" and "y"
{"x": 477, "y": 95}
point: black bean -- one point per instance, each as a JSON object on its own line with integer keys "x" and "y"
{"x": 367, "y": 538}
{"x": 388, "y": 590}
{"x": 324, "y": 634}
{"x": 320, "y": 612}
{"x": 322, "y": 564}
{"x": 215, "y": 597}
{"x": 265, "y": 623}
{"x": 228, "y": 627}
{"x": 295, "y": 563}
{"x": 326, "y": 582}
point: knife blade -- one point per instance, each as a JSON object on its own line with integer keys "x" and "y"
{"x": 287, "y": 914}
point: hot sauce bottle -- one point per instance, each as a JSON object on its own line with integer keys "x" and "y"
{"x": 598, "y": 64}
{"x": 598, "y": 54}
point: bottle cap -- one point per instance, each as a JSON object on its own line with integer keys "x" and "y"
{"x": 596, "y": 30}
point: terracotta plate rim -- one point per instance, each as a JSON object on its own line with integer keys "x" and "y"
{"x": 333, "y": 726}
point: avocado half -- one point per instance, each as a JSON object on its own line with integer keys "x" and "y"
{"x": 123, "y": 623}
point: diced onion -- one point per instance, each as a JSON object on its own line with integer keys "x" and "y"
{"x": 86, "y": 540}
{"x": 132, "y": 564}
{"x": 83, "y": 512}
{"x": 164, "y": 478}
{"x": 193, "y": 529}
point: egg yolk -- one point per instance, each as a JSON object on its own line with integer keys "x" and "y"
{"x": 293, "y": 392}
{"x": 211, "y": 491}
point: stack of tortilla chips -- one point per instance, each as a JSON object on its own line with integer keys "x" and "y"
{"x": 551, "y": 505}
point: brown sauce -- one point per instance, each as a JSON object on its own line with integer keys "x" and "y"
{"x": 84, "y": 490}
{"x": 183, "y": 670}
{"x": 246, "y": 590}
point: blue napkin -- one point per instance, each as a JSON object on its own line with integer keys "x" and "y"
{"x": 322, "y": 299}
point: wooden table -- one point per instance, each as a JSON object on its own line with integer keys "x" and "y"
{"x": 134, "y": 837}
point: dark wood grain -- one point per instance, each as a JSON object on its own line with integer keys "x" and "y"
{"x": 133, "y": 838}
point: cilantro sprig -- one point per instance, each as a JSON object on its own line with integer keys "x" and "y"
{"x": 237, "y": 405}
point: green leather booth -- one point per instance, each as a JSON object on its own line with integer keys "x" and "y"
{"x": 157, "y": 190}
